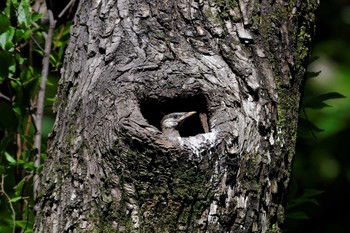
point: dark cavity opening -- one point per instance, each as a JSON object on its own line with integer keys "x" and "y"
{"x": 154, "y": 110}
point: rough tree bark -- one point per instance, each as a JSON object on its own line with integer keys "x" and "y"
{"x": 238, "y": 63}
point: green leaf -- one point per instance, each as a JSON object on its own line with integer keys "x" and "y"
{"x": 53, "y": 99}
{"x": 28, "y": 229}
{"x": 49, "y": 83}
{"x": 17, "y": 110}
{"x": 24, "y": 224}
{"x": 40, "y": 52}
{"x": 36, "y": 16}
{"x": 27, "y": 34}
{"x": 53, "y": 60}
{"x": 12, "y": 68}
{"x": 310, "y": 74}
{"x": 31, "y": 87}
{"x": 2, "y": 169}
{"x": 312, "y": 59}
{"x": 314, "y": 104}
{"x": 15, "y": 199}
{"x": 306, "y": 197}
{"x": 19, "y": 187}
{"x": 9, "y": 222}
{"x": 297, "y": 215}
{"x": 23, "y": 13}
{"x": 312, "y": 192}
{"x": 9, "y": 123}
{"x": 318, "y": 101}
{"x": 20, "y": 161}
{"x": 26, "y": 74}
{"x": 21, "y": 60}
{"x": 39, "y": 168}
{"x": 301, "y": 200}
{"x": 43, "y": 157}
{"x": 23, "y": 34}
{"x": 16, "y": 85}
{"x": 29, "y": 166}
{"x": 328, "y": 96}
{"x": 6, "y": 61}
{"x": 307, "y": 125}
{"x": 10, "y": 7}
{"x": 4, "y": 23}
{"x": 9, "y": 158}
{"x": 6, "y": 39}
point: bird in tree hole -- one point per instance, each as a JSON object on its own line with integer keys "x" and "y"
{"x": 171, "y": 123}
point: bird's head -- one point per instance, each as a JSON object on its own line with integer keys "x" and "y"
{"x": 171, "y": 122}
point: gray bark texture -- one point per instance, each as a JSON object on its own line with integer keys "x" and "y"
{"x": 238, "y": 63}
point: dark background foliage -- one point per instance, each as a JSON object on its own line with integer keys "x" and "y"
{"x": 323, "y": 159}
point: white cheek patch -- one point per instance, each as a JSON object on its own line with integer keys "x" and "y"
{"x": 169, "y": 123}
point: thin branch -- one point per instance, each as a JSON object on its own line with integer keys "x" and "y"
{"x": 37, "y": 44}
{"x": 41, "y": 100}
{"x": 5, "y": 97}
{"x": 19, "y": 146}
{"x": 44, "y": 33}
{"x": 2, "y": 190}
{"x": 66, "y": 8}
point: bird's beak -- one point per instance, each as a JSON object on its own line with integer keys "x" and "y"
{"x": 185, "y": 116}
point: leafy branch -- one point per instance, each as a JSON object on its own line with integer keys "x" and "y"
{"x": 41, "y": 100}
{"x": 22, "y": 99}
{"x": 3, "y": 192}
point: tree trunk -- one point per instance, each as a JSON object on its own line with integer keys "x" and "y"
{"x": 239, "y": 64}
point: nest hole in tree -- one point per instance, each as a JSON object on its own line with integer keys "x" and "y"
{"x": 153, "y": 110}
